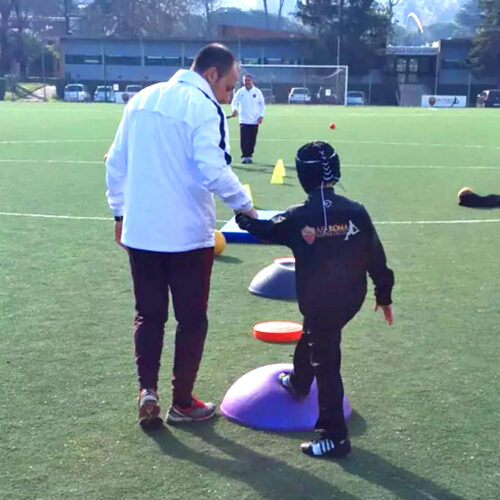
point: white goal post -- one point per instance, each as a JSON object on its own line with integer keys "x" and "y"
{"x": 312, "y": 84}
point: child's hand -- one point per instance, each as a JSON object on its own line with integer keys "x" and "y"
{"x": 387, "y": 310}
{"x": 243, "y": 221}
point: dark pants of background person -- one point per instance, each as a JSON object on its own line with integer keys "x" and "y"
{"x": 476, "y": 201}
{"x": 248, "y": 138}
{"x": 318, "y": 355}
{"x": 187, "y": 275}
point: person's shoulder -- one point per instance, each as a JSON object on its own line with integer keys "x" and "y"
{"x": 297, "y": 209}
{"x": 347, "y": 203}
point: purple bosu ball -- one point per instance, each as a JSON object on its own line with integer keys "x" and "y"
{"x": 258, "y": 400}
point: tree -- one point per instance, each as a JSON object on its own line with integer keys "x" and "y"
{"x": 361, "y": 26}
{"x": 485, "y": 54}
{"x": 136, "y": 18}
{"x": 209, "y": 7}
{"x": 468, "y": 18}
{"x": 266, "y": 10}
{"x": 15, "y": 28}
{"x": 5, "y": 48}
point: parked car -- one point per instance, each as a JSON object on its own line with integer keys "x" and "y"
{"x": 356, "y": 98}
{"x": 76, "y": 92}
{"x": 488, "y": 99}
{"x": 104, "y": 93}
{"x": 326, "y": 95}
{"x": 299, "y": 95}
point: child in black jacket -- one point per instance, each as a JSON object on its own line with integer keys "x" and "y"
{"x": 335, "y": 245}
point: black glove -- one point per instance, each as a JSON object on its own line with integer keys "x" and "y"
{"x": 243, "y": 221}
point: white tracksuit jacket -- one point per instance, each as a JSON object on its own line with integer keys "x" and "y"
{"x": 170, "y": 156}
{"x": 249, "y": 104}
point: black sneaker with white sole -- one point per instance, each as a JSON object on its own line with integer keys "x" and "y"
{"x": 326, "y": 447}
{"x": 285, "y": 381}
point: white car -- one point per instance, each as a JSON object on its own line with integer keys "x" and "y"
{"x": 355, "y": 98}
{"x": 76, "y": 92}
{"x": 104, "y": 93}
{"x": 130, "y": 91}
{"x": 299, "y": 95}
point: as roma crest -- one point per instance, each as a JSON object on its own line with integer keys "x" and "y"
{"x": 309, "y": 234}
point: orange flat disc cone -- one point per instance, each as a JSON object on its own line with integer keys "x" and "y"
{"x": 278, "y": 331}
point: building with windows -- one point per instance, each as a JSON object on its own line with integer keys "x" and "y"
{"x": 145, "y": 61}
{"x": 408, "y": 72}
{"x": 442, "y": 69}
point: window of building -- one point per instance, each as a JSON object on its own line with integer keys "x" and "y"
{"x": 172, "y": 61}
{"x": 250, "y": 60}
{"x": 81, "y": 59}
{"x": 413, "y": 65}
{"x": 123, "y": 60}
{"x": 454, "y": 64}
{"x": 401, "y": 63}
{"x": 153, "y": 61}
{"x": 273, "y": 60}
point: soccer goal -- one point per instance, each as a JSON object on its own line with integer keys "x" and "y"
{"x": 300, "y": 84}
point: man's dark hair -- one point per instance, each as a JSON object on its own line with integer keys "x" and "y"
{"x": 216, "y": 56}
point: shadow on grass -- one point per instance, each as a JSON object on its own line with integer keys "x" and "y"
{"x": 227, "y": 259}
{"x": 400, "y": 482}
{"x": 258, "y": 169}
{"x": 269, "y": 477}
{"x": 272, "y": 478}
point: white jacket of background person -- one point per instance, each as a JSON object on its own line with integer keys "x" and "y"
{"x": 249, "y": 104}
{"x": 169, "y": 157}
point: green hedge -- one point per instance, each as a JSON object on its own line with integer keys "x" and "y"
{"x": 2, "y": 88}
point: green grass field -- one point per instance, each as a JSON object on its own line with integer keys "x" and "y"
{"x": 425, "y": 391}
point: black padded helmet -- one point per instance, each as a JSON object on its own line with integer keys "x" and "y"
{"x": 317, "y": 162}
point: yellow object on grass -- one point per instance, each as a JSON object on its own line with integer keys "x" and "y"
{"x": 220, "y": 243}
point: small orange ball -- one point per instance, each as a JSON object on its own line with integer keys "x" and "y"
{"x": 333, "y": 126}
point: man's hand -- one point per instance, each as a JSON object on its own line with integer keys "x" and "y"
{"x": 260, "y": 120}
{"x": 251, "y": 213}
{"x": 387, "y": 310}
{"x": 232, "y": 115}
{"x": 118, "y": 232}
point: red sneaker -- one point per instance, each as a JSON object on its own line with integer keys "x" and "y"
{"x": 196, "y": 412}
{"x": 149, "y": 409}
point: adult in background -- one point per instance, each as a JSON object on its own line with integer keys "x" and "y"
{"x": 248, "y": 102}
{"x": 169, "y": 157}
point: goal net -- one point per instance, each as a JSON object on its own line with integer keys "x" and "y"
{"x": 300, "y": 84}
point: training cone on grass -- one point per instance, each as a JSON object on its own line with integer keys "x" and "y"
{"x": 258, "y": 400}
{"x": 276, "y": 281}
{"x": 277, "y": 177}
{"x": 249, "y": 191}
{"x": 280, "y": 167}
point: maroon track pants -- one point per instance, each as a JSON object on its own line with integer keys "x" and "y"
{"x": 187, "y": 276}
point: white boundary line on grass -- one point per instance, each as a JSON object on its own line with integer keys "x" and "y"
{"x": 391, "y": 143}
{"x": 349, "y": 165}
{"x": 402, "y": 222}
{"x": 346, "y": 141}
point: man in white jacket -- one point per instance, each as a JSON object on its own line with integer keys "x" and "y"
{"x": 248, "y": 102}
{"x": 169, "y": 157}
